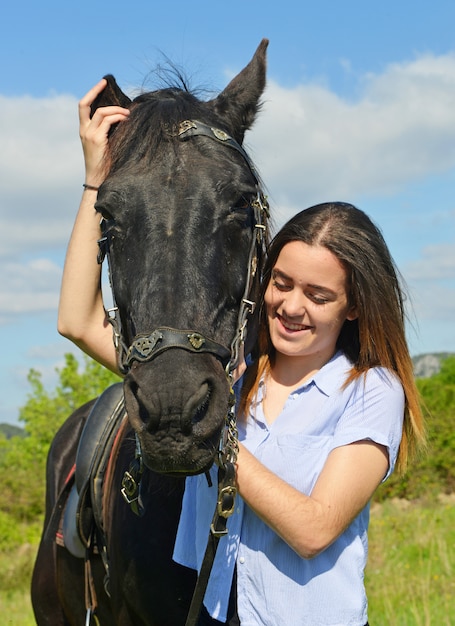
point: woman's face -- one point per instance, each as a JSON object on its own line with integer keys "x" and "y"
{"x": 307, "y": 301}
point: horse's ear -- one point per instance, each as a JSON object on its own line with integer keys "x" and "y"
{"x": 111, "y": 95}
{"x": 239, "y": 102}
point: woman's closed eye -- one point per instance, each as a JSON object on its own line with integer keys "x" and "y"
{"x": 318, "y": 298}
{"x": 280, "y": 285}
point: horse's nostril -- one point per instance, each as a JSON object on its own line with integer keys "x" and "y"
{"x": 137, "y": 408}
{"x": 196, "y": 408}
{"x": 145, "y": 417}
{"x": 201, "y": 410}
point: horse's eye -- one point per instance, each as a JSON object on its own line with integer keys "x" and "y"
{"x": 242, "y": 212}
{"x": 243, "y": 203}
{"x": 105, "y": 214}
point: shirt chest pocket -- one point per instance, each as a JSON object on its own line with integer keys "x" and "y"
{"x": 297, "y": 459}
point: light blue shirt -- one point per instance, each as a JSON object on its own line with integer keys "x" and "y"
{"x": 275, "y": 585}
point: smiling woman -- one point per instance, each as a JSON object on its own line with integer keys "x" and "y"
{"x": 325, "y": 411}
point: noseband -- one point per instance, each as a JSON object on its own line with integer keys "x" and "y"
{"x": 146, "y": 346}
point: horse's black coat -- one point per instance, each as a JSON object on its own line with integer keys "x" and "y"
{"x": 179, "y": 235}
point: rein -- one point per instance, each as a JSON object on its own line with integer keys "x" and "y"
{"x": 146, "y": 346}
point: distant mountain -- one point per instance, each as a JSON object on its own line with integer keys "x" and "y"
{"x": 426, "y": 365}
{"x": 10, "y": 430}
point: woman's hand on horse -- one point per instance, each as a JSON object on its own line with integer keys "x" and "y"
{"x": 94, "y": 132}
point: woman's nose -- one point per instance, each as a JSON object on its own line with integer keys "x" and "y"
{"x": 294, "y": 303}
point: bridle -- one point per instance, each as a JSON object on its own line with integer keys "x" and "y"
{"x": 147, "y": 346}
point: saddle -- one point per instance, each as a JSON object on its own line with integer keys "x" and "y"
{"x": 84, "y": 507}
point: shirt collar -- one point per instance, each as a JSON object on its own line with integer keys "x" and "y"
{"x": 329, "y": 379}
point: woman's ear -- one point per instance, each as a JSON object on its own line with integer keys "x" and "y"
{"x": 352, "y": 314}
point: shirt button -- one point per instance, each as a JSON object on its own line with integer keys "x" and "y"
{"x": 242, "y": 559}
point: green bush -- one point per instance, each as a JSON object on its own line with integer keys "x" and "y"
{"x": 434, "y": 472}
{"x": 22, "y": 466}
{"x": 23, "y": 459}
{"x": 14, "y": 533}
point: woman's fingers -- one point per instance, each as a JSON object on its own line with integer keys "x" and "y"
{"x": 90, "y": 97}
{"x": 105, "y": 117}
{"x": 94, "y": 131}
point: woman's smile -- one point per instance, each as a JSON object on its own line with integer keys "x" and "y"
{"x": 291, "y": 326}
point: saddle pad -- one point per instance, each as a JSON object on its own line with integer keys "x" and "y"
{"x": 92, "y": 457}
{"x": 98, "y": 427}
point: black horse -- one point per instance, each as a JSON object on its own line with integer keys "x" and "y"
{"x": 182, "y": 219}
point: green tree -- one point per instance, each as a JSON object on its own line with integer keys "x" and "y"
{"x": 23, "y": 459}
{"x": 434, "y": 472}
{"x": 438, "y": 393}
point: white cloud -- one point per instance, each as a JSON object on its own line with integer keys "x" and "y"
{"x": 41, "y": 166}
{"x": 433, "y": 303}
{"x": 29, "y": 287}
{"x": 25, "y": 234}
{"x": 40, "y": 150}
{"x": 431, "y": 284}
{"x": 312, "y": 143}
{"x": 436, "y": 263}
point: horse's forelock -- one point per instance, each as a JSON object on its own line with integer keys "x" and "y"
{"x": 154, "y": 118}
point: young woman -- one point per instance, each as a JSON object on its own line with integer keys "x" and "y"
{"x": 324, "y": 413}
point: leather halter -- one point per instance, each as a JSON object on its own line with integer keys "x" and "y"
{"x": 146, "y": 346}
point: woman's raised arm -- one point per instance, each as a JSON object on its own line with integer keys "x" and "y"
{"x": 81, "y": 315}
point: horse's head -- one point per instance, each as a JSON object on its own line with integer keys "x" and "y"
{"x": 182, "y": 227}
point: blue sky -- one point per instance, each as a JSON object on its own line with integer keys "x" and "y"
{"x": 360, "y": 106}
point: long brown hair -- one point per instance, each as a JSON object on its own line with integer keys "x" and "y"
{"x": 377, "y": 337}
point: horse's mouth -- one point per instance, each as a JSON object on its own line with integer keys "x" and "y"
{"x": 178, "y": 420}
{"x": 177, "y": 457}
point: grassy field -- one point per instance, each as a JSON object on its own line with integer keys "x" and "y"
{"x": 411, "y": 571}
{"x": 410, "y": 577}
{"x": 15, "y": 574}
